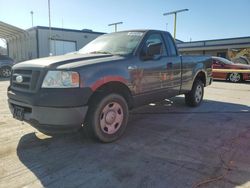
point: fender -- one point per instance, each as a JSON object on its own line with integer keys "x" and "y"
{"x": 5, "y": 64}
{"x": 197, "y": 69}
{"x": 107, "y": 79}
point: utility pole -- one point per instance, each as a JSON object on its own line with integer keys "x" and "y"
{"x": 31, "y": 13}
{"x": 115, "y": 24}
{"x": 175, "y": 18}
{"x": 50, "y": 53}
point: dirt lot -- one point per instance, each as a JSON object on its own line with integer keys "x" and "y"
{"x": 166, "y": 145}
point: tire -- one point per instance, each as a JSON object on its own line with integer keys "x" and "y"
{"x": 235, "y": 77}
{"x": 107, "y": 117}
{"x": 195, "y": 96}
{"x": 5, "y": 72}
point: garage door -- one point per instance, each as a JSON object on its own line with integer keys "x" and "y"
{"x": 60, "y": 47}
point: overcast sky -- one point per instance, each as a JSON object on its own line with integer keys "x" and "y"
{"x": 206, "y": 19}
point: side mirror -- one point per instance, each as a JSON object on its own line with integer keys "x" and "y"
{"x": 151, "y": 51}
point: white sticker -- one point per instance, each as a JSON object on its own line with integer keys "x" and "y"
{"x": 135, "y": 34}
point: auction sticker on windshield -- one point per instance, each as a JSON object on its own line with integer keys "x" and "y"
{"x": 135, "y": 33}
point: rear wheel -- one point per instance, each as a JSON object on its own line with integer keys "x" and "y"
{"x": 5, "y": 72}
{"x": 107, "y": 117}
{"x": 195, "y": 96}
{"x": 235, "y": 77}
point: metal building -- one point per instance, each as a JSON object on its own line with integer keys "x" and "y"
{"x": 237, "y": 49}
{"x": 36, "y": 42}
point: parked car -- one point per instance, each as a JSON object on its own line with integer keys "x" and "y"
{"x": 97, "y": 86}
{"x": 5, "y": 66}
{"x": 241, "y": 60}
{"x": 227, "y": 70}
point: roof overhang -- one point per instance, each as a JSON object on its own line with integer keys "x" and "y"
{"x": 220, "y": 44}
{"x": 7, "y": 31}
{"x": 219, "y": 47}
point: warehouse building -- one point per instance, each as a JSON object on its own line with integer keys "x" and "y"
{"x": 236, "y": 49}
{"x": 36, "y": 42}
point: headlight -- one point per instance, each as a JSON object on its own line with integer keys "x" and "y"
{"x": 61, "y": 79}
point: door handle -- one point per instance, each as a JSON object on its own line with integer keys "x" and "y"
{"x": 132, "y": 67}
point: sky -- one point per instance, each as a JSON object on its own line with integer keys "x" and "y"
{"x": 206, "y": 19}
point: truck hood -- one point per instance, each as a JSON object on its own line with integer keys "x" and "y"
{"x": 67, "y": 61}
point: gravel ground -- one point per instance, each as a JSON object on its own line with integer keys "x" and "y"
{"x": 165, "y": 145}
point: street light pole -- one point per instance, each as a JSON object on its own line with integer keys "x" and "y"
{"x": 50, "y": 53}
{"x": 31, "y": 13}
{"x": 175, "y": 18}
{"x": 115, "y": 24}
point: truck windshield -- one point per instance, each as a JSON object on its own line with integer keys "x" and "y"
{"x": 121, "y": 43}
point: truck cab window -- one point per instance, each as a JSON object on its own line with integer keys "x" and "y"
{"x": 154, "y": 39}
{"x": 171, "y": 46}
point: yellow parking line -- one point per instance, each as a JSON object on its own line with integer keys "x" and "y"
{"x": 231, "y": 70}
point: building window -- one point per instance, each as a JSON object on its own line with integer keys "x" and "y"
{"x": 222, "y": 54}
{"x": 60, "y": 47}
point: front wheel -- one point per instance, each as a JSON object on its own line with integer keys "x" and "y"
{"x": 195, "y": 96}
{"x": 5, "y": 72}
{"x": 234, "y": 77}
{"x": 107, "y": 117}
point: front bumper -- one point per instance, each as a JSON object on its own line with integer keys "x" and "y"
{"x": 52, "y": 119}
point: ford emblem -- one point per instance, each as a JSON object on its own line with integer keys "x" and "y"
{"x": 19, "y": 79}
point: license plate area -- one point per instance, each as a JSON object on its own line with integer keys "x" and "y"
{"x": 18, "y": 113}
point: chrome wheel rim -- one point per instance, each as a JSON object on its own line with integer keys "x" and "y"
{"x": 198, "y": 94}
{"x": 234, "y": 77}
{"x": 111, "y": 118}
{"x": 6, "y": 72}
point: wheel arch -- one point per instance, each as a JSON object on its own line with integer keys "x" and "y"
{"x": 5, "y": 65}
{"x": 114, "y": 87}
{"x": 201, "y": 75}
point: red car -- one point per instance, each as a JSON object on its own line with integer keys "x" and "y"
{"x": 227, "y": 70}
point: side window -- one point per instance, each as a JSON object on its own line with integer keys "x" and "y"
{"x": 219, "y": 63}
{"x": 156, "y": 38}
{"x": 171, "y": 46}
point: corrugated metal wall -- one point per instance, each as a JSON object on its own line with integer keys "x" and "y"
{"x": 35, "y": 43}
{"x": 23, "y": 46}
{"x": 80, "y": 39}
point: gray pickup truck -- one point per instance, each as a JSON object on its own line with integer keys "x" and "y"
{"x": 95, "y": 88}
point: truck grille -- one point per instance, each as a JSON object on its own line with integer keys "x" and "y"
{"x": 28, "y": 82}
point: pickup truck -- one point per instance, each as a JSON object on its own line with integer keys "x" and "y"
{"x": 95, "y": 88}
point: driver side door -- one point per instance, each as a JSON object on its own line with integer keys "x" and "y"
{"x": 147, "y": 77}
